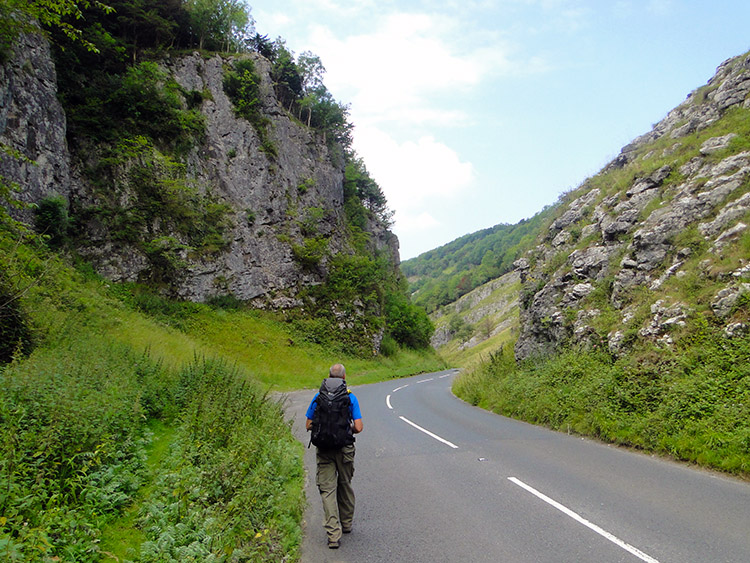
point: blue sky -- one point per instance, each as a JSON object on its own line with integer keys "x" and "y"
{"x": 472, "y": 113}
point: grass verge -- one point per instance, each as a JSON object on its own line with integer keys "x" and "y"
{"x": 691, "y": 402}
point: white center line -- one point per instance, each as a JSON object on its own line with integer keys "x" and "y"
{"x": 388, "y": 402}
{"x": 399, "y": 388}
{"x": 438, "y": 438}
{"x": 425, "y": 380}
{"x": 580, "y": 519}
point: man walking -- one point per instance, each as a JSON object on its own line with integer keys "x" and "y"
{"x": 334, "y": 417}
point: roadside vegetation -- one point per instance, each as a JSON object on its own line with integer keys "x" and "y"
{"x": 691, "y": 402}
{"x": 101, "y": 375}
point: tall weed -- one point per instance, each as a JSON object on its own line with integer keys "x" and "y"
{"x": 232, "y": 486}
{"x": 72, "y": 448}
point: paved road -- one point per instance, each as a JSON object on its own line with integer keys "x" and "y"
{"x": 438, "y": 480}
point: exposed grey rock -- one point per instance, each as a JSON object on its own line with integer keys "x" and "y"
{"x": 32, "y": 122}
{"x": 736, "y": 330}
{"x": 708, "y": 196}
{"x": 729, "y": 235}
{"x": 574, "y": 212}
{"x": 477, "y": 306}
{"x": 574, "y": 294}
{"x": 715, "y": 144}
{"x": 615, "y": 341}
{"x": 669, "y": 272}
{"x": 725, "y": 301}
{"x": 591, "y": 262}
{"x": 663, "y": 319}
{"x": 729, "y": 213}
{"x": 691, "y": 166}
{"x": 562, "y": 238}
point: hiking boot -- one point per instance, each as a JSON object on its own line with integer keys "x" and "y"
{"x": 347, "y": 530}
{"x": 333, "y": 544}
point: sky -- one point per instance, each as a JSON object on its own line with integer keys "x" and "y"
{"x": 471, "y": 113}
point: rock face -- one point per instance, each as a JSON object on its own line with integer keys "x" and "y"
{"x": 32, "y": 123}
{"x": 628, "y": 249}
{"x": 274, "y": 202}
{"x": 493, "y": 304}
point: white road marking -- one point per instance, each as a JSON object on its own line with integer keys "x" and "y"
{"x": 438, "y": 438}
{"x": 426, "y": 380}
{"x": 399, "y": 388}
{"x": 446, "y": 375}
{"x": 580, "y": 519}
{"x": 388, "y": 402}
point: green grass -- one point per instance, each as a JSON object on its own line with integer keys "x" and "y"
{"x": 261, "y": 344}
{"x": 128, "y": 400}
{"x": 691, "y": 402}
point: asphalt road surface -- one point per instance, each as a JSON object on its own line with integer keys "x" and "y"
{"x": 438, "y": 480}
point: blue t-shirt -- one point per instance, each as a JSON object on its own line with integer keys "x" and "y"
{"x": 353, "y": 409}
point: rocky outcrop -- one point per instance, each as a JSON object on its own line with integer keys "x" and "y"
{"x": 492, "y": 304}
{"x": 34, "y": 152}
{"x": 275, "y": 203}
{"x": 680, "y": 216}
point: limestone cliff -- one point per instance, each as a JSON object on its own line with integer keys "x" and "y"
{"x": 32, "y": 123}
{"x": 657, "y": 238}
{"x": 270, "y": 205}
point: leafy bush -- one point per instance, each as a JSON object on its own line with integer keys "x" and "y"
{"x": 51, "y": 220}
{"x": 242, "y": 86}
{"x": 406, "y": 323}
{"x": 134, "y": 100}
{"x": 73, "y": 447}
{"x": 167, "y": 217}
{"x": 15, "y": 333}
{"x": 310, "y": 252}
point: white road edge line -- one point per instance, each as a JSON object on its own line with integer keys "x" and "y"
{"x": 438, "y": 438}
{"x": 580, "y": 519}
{"x": 388, "y": 402}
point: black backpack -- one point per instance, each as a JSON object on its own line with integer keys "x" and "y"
{"x": 332, "y": 421}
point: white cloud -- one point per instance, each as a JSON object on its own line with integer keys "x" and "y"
{"x": 391, "y": 72}
{"x": 413, "y": 172}
{"x": 406, "y": 223}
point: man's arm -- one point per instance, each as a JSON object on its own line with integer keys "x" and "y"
{"x": 308, "y": 425}
{"x": 357, "y": 426}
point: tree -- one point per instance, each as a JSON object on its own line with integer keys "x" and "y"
{"x": 359, "y": 184}
{"x": 406, "y": 323}
{"x": 263, "y": 45}
{"x": 330, "y": 117}
{"x": 286, "y": 77}
{"x": 311, "y": 71}
{"x": 220, "y": 24}
{"x": 17, "y": 16}
{"x": 146, "y": 23}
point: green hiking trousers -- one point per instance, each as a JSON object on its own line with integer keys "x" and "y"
{"x": 334, "y": 480}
